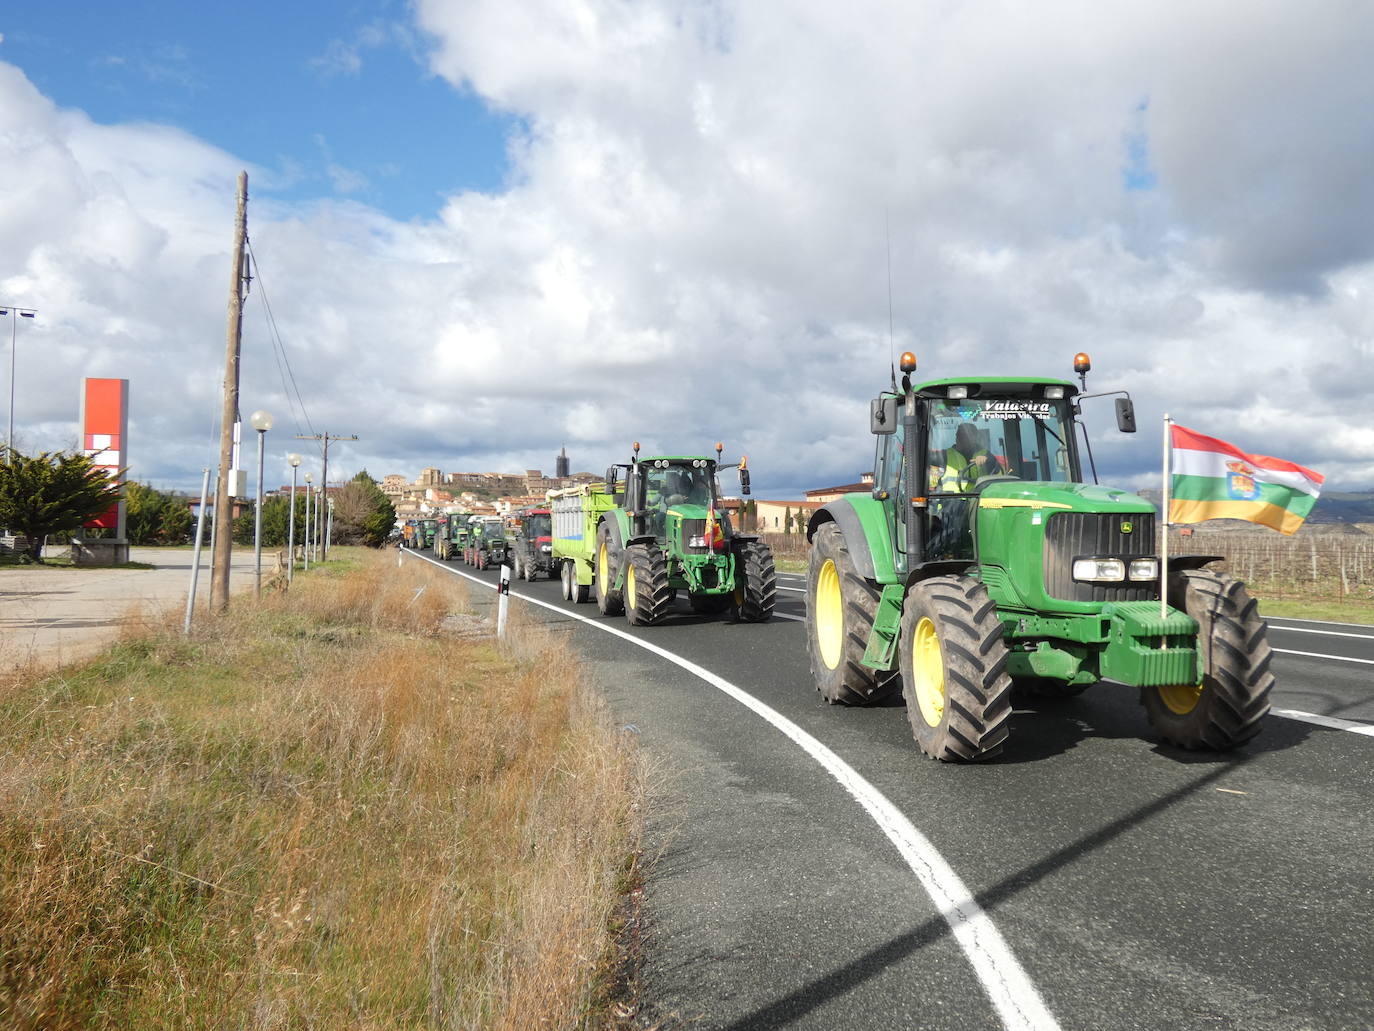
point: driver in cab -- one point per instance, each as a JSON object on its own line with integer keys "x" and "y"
{"x": 955, "y": 470}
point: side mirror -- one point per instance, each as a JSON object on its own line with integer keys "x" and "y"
{"x": 612, "y": 474}
{"x": 1061, "y": 459}
{"x": 1125, "y": 415}
{"x": 744, "y": 481}
{"x": 882, "y": 415}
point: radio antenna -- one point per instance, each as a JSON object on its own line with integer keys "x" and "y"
{"x": 891, "y": 345}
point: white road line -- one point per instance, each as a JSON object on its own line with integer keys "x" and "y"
{"x": 798, "y": 590}
{"x": 1325, "y": 622}
{"x": 1008, "y": 987}
{"x": 1307, "y": 630}
{"x": 1333, "y": 722}
{"x": 784, "y": 615}
{"x": 1319, "y": 655}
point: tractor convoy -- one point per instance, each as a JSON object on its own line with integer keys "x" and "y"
{"x": 981, "y": 566}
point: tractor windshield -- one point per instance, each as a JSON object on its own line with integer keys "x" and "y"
{"x": 538, "y": 526}
{"x": 973, "y": 439}
{"x": 678, "y": 485}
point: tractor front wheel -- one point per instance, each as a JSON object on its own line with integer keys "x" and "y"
{"x": 954, "y": 669}
{"x": 647, "y": 593}
{"x": 756, "y": 582}
{"x": 609, "y": 601}
{"x": 1231, "y": 698}
{"x": 840, "y": 608}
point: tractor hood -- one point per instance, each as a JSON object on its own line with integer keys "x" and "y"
{"x": 1061, "y": 497}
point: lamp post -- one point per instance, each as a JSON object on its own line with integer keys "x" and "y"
{"x": 262, "y": 422}
{"x": 295, "y": 461}
{"x": 308, "y": 491}
{"x": 15, "y": 315}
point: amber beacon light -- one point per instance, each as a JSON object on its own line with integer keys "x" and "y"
{"x": 908, "y": 362}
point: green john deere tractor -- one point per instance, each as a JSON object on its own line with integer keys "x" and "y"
{"x": 670, "y": 533}
{"x": 982, "y": 563}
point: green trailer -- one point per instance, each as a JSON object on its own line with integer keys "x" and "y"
{"x": 981, "y": 563}
{"x": 577, "y": 514}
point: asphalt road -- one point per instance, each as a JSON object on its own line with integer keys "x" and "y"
{"x": 1133, "y": 885}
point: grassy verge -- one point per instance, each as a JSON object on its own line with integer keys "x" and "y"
{"x": 323, "y": 811}
{"x": 1348, "y": 610}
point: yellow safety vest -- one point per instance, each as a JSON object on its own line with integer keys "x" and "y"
{"x": 950, "y": 479}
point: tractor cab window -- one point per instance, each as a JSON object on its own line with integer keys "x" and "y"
{"x": 538, "y": 526}
{"x": 971, "y": 440}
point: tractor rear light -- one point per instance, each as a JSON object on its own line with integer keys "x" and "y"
{"x": 958, "y": 393}
{"x": 1144, "y": 569}
{"x": 1099, "y": 569}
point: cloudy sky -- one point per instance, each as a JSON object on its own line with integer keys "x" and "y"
{"x": 490, "y": 228}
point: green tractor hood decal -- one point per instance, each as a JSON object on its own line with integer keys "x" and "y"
{"x": 1060, "y": 497}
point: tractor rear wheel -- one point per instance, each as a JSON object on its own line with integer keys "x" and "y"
{"x": 609, "y": 601}
{"x": 954, "y": 669}
{"x": 840, "y": 608}
{"x": 1231, "y": 698}
{"x": 756, "y": 582}
{"x": 647, "y": 594}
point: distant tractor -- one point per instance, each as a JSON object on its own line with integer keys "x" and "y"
{"x": 447, "y": 541}
{"x": 665, "y": 532}
{"x": 530, "y": 533}
{"x": 982, "y": 563}
{"x": 488, "y": 543}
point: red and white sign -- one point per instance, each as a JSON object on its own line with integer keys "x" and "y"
{"x": 105, "y": 431}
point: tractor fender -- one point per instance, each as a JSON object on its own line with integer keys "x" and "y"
{"x": 841, "y": 512}
{"x": 1181, "y": 562}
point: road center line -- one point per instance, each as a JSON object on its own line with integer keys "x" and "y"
{"x": 1326, "y": 721}
{"x": 1319, "y": 655}
{"x": 1300, "y": 630}
{"x": 1015, "y": 999}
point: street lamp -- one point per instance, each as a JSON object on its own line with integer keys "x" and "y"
{"x": 295, "y": 461}
{"x": 262, "y": 422}
{"x": 308, "y": 491}
{"x": 15, "y": 315}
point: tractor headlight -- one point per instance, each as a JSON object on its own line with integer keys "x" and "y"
{"x": 546, "y": 548}
{"x": 1144, "y": 569}
{"x": 697, "y": 542}
{"x": 1099, "y": 569}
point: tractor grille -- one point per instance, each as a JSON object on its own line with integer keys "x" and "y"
{"x": 693, "y": 528}
{"x": 1071, "y": 535}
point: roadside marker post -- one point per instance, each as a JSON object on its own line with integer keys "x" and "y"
{"x": 503, "y": 601}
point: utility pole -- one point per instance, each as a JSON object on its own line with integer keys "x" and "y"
{"x": 223, "y": 530}
{"x": 324, "y": 474}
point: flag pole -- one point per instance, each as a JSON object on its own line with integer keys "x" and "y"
{"x": 1164, "y": 529}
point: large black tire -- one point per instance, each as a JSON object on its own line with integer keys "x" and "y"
{"x": 1228, "y": 705}
{"x": 647, "y": 594}
{"x": 565, "y": 579}
{"x": 517, "y": 570}
{"x": 529, "y": 567}
{"x": 840, "y": 607}
{"x": 605, "y": 568}
{"x": 756, "y": 583}
{"x": 953, "y": 659}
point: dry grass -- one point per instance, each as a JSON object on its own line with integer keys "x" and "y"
{"x": 320, "y": 812}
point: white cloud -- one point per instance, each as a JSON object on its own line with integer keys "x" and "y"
{"x": 692, "y": 244}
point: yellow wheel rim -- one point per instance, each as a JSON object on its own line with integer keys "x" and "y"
{"x": 603, "y": 569}
{"x": 1181, "y": 698}
{"x": 928, "y": 670}
{"x": 630, "y": 586}
{"x": 829, "y": 605}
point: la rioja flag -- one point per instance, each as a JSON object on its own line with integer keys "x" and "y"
{"x": 1212, "y": 479}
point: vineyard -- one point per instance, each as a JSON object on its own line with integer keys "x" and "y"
{"x": 1326, "y": 561}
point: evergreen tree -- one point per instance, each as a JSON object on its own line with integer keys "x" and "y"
{"x": 52, "y": 492}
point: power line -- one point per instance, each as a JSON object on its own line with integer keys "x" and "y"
{"x": 279, "y": 352}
